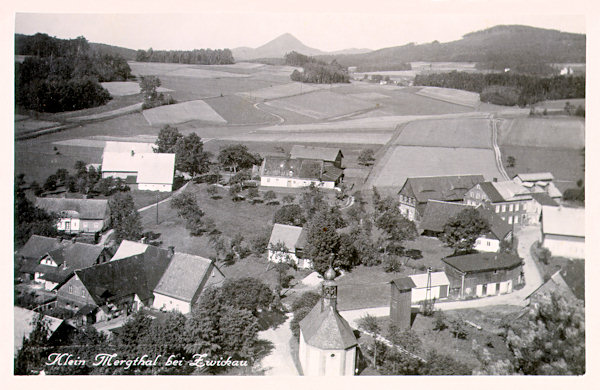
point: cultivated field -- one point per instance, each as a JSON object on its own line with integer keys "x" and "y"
{"x": 204, "y": 73}
{"x": 559, "y": 104}
{"x": 565, "y": 164}
{"x": 346, "y": 137}
{"x": 125, "y": 88}
{"x": 401, "y": 162}
{"x": 236, "y": 110}
{"x": 196, "y": 110}
{"x": 456, "y": 96}
{"x": 154, "y": 68}
{"x": 280, "y": 91}
{"x": 26, "y": 125}
{"x": 321, "y": 104}
{"x": 369, "y": 96}
{"x": 188, "y": 88}
{"x": 550, "y": 132}
{"x": 452, "y": 133}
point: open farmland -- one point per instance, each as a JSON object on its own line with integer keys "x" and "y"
{"x": 280, "y": 91}
{"x": 24, "y": 126}
{"x": 559, "y": 104}
{"x": 456, "y": 96}
{"x": 452, "y": 133}
{"x": 182, "y": 112}
{"x": 549, "y": 132}
{"x": 333, "y": 137}
{"x": 565, "y": 164}
{"x": 401, "y": 162}
{"x": 236, "y": 110}
{"x": 321, "y": 104}
{"x": 125, "y": 88}
{"x": 204, "y": 73}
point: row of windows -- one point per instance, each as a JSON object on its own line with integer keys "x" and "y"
{"x": 510, "y": 219}
{"x": 511, "y": 207}
{"x": 71, "y": 289}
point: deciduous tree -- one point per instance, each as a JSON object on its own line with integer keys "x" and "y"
{"x": 462, "y": 230}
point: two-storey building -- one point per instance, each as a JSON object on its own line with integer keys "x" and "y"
{"x": 508, "y": 199}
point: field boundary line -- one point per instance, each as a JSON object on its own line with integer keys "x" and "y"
{"x": 496, "y": 148}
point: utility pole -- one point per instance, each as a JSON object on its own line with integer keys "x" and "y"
{"x": 157, "y": 207}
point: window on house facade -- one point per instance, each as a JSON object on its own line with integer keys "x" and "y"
{"x": 516, "y": 219}
{"x": 524, "y": 206}
{"x": 70, "y": 289}
{"x": 477, "y": 196}
{"x": 497, "y": 209}
{"x": 83, "y": 292}
{"x": 503, "y": 208}
{"x": 510, "y": 220}
{"x": 489, "y": 243}
{"x": 510, "y": 208}
{"x": 517, "y": 207}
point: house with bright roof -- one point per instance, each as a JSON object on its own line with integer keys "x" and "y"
{"x": 139, "y": 166}
{"x": 563, "y": 231}
{"x": 183, "y": 282}
{"x": 77, "y": 215}
{"x": 541, "y": 182}
{"x": 437, "y": 283}
{"x": 286, "y": 245}
{"x": 510, "y": 200}
{"x": 417, "y": 191}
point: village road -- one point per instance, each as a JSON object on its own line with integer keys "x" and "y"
{"x": 279, "y": 362}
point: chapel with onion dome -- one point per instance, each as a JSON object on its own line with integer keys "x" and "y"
{"x": 327, "y": 342}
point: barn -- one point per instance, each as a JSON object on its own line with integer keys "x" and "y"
{"x": 563, "y": 231}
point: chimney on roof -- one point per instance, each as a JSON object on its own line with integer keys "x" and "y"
{"x": 495, "y": 180}
{"x": 171, "y": 251}
{"x": 143, "y": 240}
{"x": 132, "y": 152}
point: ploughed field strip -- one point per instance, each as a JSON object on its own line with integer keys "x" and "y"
{"x": 321, "y": 104}
{"x": 125, "y": 88}
{"x": 552, "y": 132}
{"x": 330, "y": 137}
{"x": 182, "y": 112}
{"x": 452, "y": 133}
{"x": 455, "y": 96}
{"x": 281, "y": 91}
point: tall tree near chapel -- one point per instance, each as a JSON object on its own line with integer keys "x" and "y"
{"x": 462, "y": 230}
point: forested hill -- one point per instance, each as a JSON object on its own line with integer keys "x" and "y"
{"x": 494, "y": 48}
{"x": 43, "y": 45}
{"x": 101, "y": 48}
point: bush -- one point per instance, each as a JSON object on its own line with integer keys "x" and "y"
{"x": 504, "y": 96}
{"x": 366, "y": 157}
{"x": 457, "y": 329}
{"x": 392, "y": 263}
{"x": 439, "y": 323}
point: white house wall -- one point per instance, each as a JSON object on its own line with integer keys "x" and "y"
{"x": 484, "y": 244}
{"x": 320, "y": 362}
{"x": 169, "y": 303}
{"x": 565, "y": 246}
{"x": 420, "y": 294}
{"x": 74, "y": 224}
{"x": 408, "y": 211}
{"x": 155, "y": 187}
{"x": 270, "y": 181}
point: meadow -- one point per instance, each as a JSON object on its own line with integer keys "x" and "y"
{"x": 125, "y": 88}
{"x": 456, "y": 96}
{"x": 545, "y": 132}
{"x": 280, "y": 91}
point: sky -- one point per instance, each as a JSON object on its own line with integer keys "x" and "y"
{"x": 325, "y": 25}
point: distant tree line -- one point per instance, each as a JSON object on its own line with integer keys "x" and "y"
{"x": 315, "y": 71}
{"x": 63, "y": 75}
{"x": 508, "y": 88}
{"x": 201, "y": 56}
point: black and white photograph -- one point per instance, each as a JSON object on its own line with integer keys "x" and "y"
{"x": 339, "y": 189}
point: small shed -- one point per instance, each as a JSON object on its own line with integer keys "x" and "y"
{"x": 400, "y": 302}
{"x": 439, "y": 286}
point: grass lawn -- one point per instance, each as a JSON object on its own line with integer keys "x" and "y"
{"x": 432, "y": 250}
{"x": 550, "y": 132}
{"x": 146, "y": 198}
{"x": 365, "y": 287}
{"x": 461, "y": 132}
{"x": 321, "y": 104}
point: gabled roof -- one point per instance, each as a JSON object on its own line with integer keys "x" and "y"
{"x": 448, "y": 188}
{"x": 85, "y": 208}
{"x": 315, "y": 153}
{"x": 544, "y": 199}
{"x": 138, "y": 274}
{"x": 545, "y": 176}
{"x": 68, "y": 259}
{"x": 555, "y": 285}
{"x": 491, "y": 192}
{"x": 564, "y": 221}
{"x": 507, "y": 190}
{"x": 153, "y": 168}
{"x": 404, "y": 283}
{"x": 286, "y": 234}
{"x": 292, "y": 168}
{"x": 499, "y": 228}
{"x": 437, "y": 279}
{"x": 23, "y": 321}
{"x": 331, "y": 172}
{"x": 484, "y": 261}
{"x": 184, "y": 275}
{"x": 327, "y": 329}
{"x": 129, "y": 248}
{"x": 38, "y": 246}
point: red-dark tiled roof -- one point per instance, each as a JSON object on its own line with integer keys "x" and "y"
{"x": 404, "y": 283}
{"x": 485, "y": 261}
{"x": 327, "y": 329}
{"x": 448, "y": 188}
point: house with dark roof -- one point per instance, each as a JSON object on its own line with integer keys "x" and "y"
{"x": 438, "y": 213}
{"x": 286, "y": 245}
{"x": 299, "y": 172}
{"x": 59, "y": 264}
{"x": 556, "y": 285}
{"x": 417, "y": 191}
{"x": 115, "y": 288}
{"x": 58, "y": 329}
{"x": 563, "y": 231}
{"x": 510, "y": 200}
{"x": 78, "y": 215}
{"x": 538, "y": 201}
{"x": 483, "y": 274}
{"x": 329, "y": 155}
{"x": 183, "y": 282}
{"x": 327, "y": 344}
{"x": 541, "y": 182}
{"x": 27, "y": 258}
